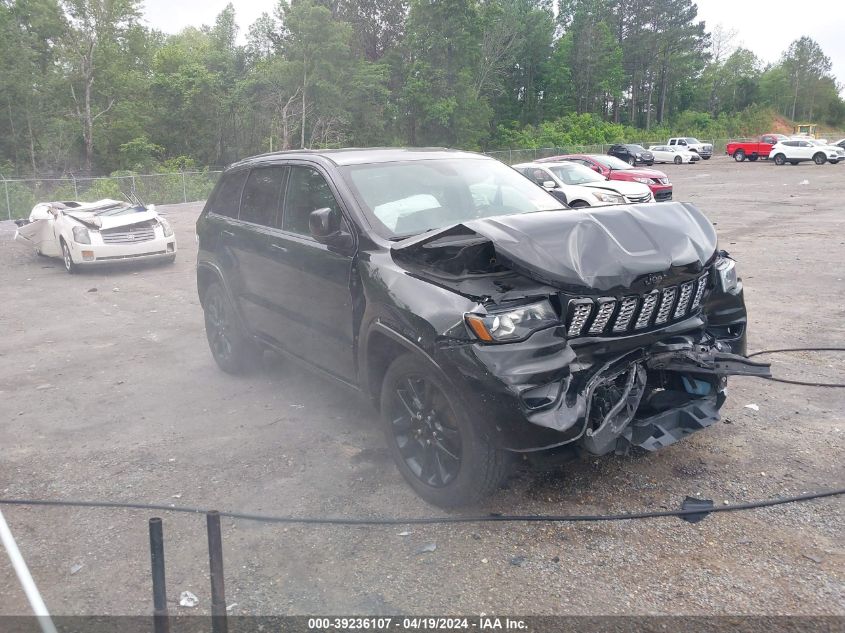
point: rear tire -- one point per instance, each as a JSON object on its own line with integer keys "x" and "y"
{"x": 753, "y": 157}
{"x": 444, "y": 453}
{"x": 70, "y": 267}
{"x": 794, "y": 162}
{"x": 819, "y": 159}
{"x": 833, "y": 162}
{"x": 779, "y": 159}
{"x": 233, "y": 350}
{"x": 739, "y": 155}
{"x": 706, "y": 157}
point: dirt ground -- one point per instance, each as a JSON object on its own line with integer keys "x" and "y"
{"x": 108, "y": 391}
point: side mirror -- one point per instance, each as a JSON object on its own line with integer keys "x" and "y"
{"x": 325, "y": 226}
{"x": 549, "y": 184}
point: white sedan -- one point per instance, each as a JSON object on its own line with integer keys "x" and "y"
{"x": 673, "y": 154}
{"x": 106, "y": 231}
{"x": 796, "y": 150}
{"x": 580, "y": 186}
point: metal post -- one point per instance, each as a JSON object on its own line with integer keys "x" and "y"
{"x": 184, "y": 188}
{"x": 133, "y": 183}
{"x": 8, "y": 204}
{"x": 75, "y": 188}
{"x": 215, "y": 562}
{"x": 161, "y": 620}
{"x": 25, "y": 578}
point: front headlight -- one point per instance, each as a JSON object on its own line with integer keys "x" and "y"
{"x": 728, "y": 279}
{"x": 639, "y": 154}
{"x": 512, "y": 325}
{"x": 81, "y": 235}
{"x": 613, "y": 198}
{"x": 165, "y": 226}
{"x": 643, "y": 180}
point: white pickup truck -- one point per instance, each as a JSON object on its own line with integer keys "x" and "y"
{"x": 692, "y": 144}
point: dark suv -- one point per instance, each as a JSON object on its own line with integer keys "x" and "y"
{"x": 481, "y": 318}
{"x": 632, "y": 154}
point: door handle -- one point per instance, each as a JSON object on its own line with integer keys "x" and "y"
{"x": 279, "y": 247}
{"x": 226, "y": 233}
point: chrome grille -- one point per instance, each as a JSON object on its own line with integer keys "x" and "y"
{"x": 683, "y": 301}
{"x": 699, "y": 292}
{"x": 642, "y": 198}
{"x": 658, "y": 307}
{"x": 626, "y": 313}
{"x": 579, "y": 318}
{"x": 666, "y": 305}
{"x": 602, "y": 316}
{"x": 649, "y": 303}
{"x": 131, "y": 234}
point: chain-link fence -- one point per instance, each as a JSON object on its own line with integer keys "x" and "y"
{"x": 20, "y": 195}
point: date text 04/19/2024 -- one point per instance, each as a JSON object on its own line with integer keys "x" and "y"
{"x": 419, "y": 623}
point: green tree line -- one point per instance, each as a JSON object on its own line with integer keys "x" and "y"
{"x": 88, "y": 89}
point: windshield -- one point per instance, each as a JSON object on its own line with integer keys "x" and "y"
{"x": 572, "y": 174}
{"x": 406, "y": 198}
{"x": 611, "y": 162}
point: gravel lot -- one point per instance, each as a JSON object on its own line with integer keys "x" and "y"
{"x": 108, "y": 391}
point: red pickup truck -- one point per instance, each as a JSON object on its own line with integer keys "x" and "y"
{"x": 752, "y": 150}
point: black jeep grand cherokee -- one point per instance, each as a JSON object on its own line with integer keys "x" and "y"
{"x": 481, "y": 318}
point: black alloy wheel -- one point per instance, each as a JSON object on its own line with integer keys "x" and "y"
{"x": 678, "y": 160}
{"x": 425, "y": 431}
{"x": 819, "y": 159}
{"x": 233, "y": 351}
{"x": 445, "y": 454}
{"x": 779, "y": 159}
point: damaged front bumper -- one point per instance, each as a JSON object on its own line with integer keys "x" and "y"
{"x": 607, "y": 395}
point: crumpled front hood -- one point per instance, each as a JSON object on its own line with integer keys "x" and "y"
{"x": 114, "y": 221}
{"x": 601, "y": 248}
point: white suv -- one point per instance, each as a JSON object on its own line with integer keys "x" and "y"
{"x": 705, "y": 150}
{"x": 581, "y": 186}
{"x": 796, "y": 150}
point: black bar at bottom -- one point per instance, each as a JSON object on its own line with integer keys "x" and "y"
{"x": 161, "y": 619}
{"x": 215, "y": 561}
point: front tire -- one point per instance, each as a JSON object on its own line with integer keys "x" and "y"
{"x": 779, "y": 159}
{"x": 232, "y": 349}
{"x": 442, "y": 452}
{"x": 739, "y": 155}
{"x": 819, "y": 159}
{"x": 678, "y": 160}
{"x": 70, "y": 267}
{"x": 632, "y": 161}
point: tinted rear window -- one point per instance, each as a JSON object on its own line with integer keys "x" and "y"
{"x": 228, "y": 197}
{"x": 262, "y": 194}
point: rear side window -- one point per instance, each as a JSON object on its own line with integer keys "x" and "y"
{"x": 262, "y": 194}
{"x": 307, "y": 192}
{"x": 228, "y": 198}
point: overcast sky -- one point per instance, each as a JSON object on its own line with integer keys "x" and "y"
{"x": 764, "y": 26}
